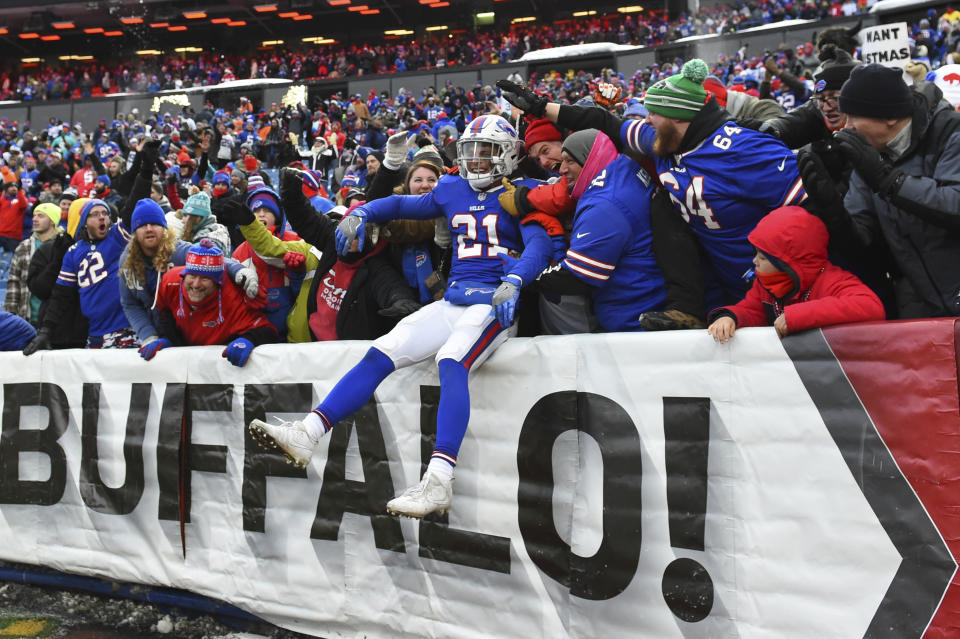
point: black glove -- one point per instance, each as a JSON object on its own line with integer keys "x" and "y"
{"x": 750, "y": 123}
{"x": 817, "y": 180}
{"x": 234, "y": 213}
{"x": 291, "y": 186}
{"x": 149, "y": 152}
{"x": 39, "y": 343}
{"x": 61, "y": 244}
{"x": 876, "y": 172}
{"x": 400, "y": 308}
{"x": 523, "y": 98}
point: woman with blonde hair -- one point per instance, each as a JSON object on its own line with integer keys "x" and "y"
{"x": 153, "y": 250}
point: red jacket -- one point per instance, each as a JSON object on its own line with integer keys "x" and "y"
{"x": 202, "y": 326}
{"x": 83, "y": 181}
{"x": 823, "y": 294}
{"x": 11, "y": 215}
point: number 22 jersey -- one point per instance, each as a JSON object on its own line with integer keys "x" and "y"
{"x": 92, "y": 269}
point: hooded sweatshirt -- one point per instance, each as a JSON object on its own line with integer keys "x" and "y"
{"x": 822, "y": 294}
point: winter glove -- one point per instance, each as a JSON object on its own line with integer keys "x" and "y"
{"x": 295, "y": 261}
{"x": 770, "y": 64}
{"x": 173, "y": 175}
{"x": 400, "y": 308}
{"x": 291, "y": 183}
{"x": 514, "y": 200}
{"x": 505, "y": 300}
{"x": 875, "y": 171}
{"x": 61, "y": 244}
{"x": 825, "y": 198}
{"x": 750, "y": 123}
{"x": 234, "y": 213}
{"x": 238, "y": 351}
{"x": 607, "y": 95}
{"x": 149, "y": 152}
{"x": 396, "y": 151}
{"x": 247, "y": 279}
{"x": 39, "y": 343}
{"x": 147, "y": 351}
{"x": 523, "y": 98}
{"x": 817, "y": 180}
{"x": 351, "y": 227}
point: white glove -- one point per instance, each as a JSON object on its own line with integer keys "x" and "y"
{"x": 351, "y": 227}
{"x": 247, "y": 279}
{"x": 396, "y": 151}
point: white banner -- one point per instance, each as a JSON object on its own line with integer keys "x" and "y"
{"x": 655, "y": 485}
{"x": 886, "y": 44}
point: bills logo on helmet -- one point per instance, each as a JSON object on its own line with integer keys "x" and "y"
{"x": 477, "y": 125}
{"x": 505, "y": 127}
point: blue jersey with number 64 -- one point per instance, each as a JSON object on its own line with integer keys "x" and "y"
{"x": 723, "y": 187}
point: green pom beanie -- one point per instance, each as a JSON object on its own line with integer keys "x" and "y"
{"x": 680, "y": 96}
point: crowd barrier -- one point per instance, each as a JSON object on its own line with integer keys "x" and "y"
{"x": 90, "y": 110}
{"x": 652, "y": 485}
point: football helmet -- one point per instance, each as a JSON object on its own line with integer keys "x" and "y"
{"x": 487, "y": 151}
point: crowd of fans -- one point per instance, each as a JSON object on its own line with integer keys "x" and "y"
{"x": 797, "y": 190}
{"x": 151, "y": 74}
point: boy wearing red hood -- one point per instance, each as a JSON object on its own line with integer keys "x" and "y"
{"x": 796, "y": 288}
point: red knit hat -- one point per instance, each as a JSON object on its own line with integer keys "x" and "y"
{"x": 541, "y": 130}
{"x": 250, "y": 163}
{"x": 713, "y": 85}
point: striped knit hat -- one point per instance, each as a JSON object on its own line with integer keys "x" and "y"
{"x": 206, "y": 259}
{"x": 680, "y": 96}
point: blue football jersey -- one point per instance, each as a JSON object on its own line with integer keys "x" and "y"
{"x": 723, "y": 187}
{"x": 481, "y": 230}
{"x": 611, "y": 246}
{"x": 92, "y": 268}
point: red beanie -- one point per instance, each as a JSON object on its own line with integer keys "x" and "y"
{"x": 541, "y": 130}
{"x": 250, "y": 163}
{"x": 713, "y": 85}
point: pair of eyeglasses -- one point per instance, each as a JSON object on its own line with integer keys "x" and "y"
{"x": 825, "y": 101}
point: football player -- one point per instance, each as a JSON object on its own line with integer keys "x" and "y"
{"x": 461, "y": 331}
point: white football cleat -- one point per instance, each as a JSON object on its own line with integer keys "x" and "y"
{"x": 291, "y": 438}
{"x": 432, "y": 494}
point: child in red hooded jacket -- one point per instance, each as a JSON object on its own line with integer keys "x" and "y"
{"x": 796, "y": 288}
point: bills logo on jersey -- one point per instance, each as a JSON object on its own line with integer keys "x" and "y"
{"x": 481, "y": 291}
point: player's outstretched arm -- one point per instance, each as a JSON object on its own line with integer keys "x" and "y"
{"x": 537, "y": 250}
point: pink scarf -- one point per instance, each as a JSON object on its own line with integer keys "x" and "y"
{"x": 602, "y": 153}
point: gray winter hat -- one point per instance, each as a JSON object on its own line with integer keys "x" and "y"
{"x": 578, "y": 144}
